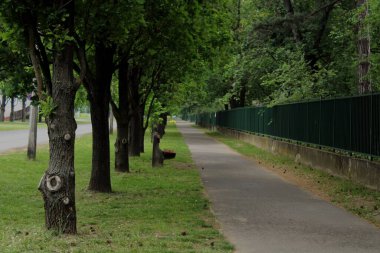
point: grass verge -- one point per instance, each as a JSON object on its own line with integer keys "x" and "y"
{"x": 83, "y": 118}
{"x": 151, "y": 210}
{"x": 16, "y": 125}
{"x": 353, "y": 197}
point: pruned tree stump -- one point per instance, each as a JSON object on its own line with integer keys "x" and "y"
{"x": 157, "y": 154}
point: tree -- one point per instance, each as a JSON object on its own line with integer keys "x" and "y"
{"x": 106, "y": 26}
{"x": 50, "y": 26}
{"x": 364, "y": 48}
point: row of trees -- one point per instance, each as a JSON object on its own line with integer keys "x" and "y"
{"x": 15, "y": 76}
{"x": 130, "y": 54}
{"x": 290, "y": 50}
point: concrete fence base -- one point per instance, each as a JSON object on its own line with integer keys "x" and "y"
{"x": 358, "y": 170}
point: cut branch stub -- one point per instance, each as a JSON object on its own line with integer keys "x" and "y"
{"x": 67, "y": 137}
{"x": 66, "y": 200}
{"x": 53, "y": 183}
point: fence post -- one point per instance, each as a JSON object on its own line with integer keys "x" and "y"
{"x": 320, "y": 120}
{"x": 307, "y": 123}
{"x": 350, "y": 126}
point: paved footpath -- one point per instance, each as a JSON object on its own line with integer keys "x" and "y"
{"x": 260, "y": 212}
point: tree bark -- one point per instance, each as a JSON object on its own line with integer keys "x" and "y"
{"x": 364, "y": 50}
{"x": 2, "y": 108}
{"x": 135, "y": 126}
{"x": 99, "y": 97}
{"x": 135, "y": 123}
{"x": 157, "y": 156}
{"x": 122, "y": 118}
{"x": 146, "y": 123}
{"x": 23, "y": 112}
{"x": 58, "y": 183}
{"x": 32, "y": 142}
{"x": 121, "y": 147}
{"x": 12, "y": 114}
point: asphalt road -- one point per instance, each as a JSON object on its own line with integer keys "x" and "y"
{"x": 19, "y": 138}
{"x": 260, "y": 212}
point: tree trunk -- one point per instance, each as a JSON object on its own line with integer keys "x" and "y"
{"x": 121, "y": 147}
{"x": 142, "y": 129}
{"x": 2, "y": 108}
{"x": 142, "y": 139}
{"x": 161, "y": 126}
{"x": 12, "y": 115}
{"x": 32, "y": 142}
{"x": 122, "y": 119}
{"x": 364, "y": 49}
{"x": 58, "y": 183}
{"x": 100, "y": 175}
{"x": 135, "y": 134}
{"x": 23, "y": 111}
{"x": 290, "y": 12}
{"x": 157, "y": 156}
{"x": 100, "y": 97}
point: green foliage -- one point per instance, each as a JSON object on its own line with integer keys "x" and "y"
{"x": 81, "y": 101}
{"x": 47, "y": 106}
{"x": 266, "y": 64}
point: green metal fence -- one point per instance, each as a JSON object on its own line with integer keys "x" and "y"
{"x": 351, "y": 124}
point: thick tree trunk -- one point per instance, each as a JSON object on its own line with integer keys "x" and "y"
{"x": 100, "y": 175}
{"x": 12, "y": 114}
{"x": 121, "y": 147}
{"x": 364, "y": 49}
{"x": 32, "y": 142}
{"x": 100, "y": 96}
{"x": 58, "y": 183}
{"x": 135, "y": 126}
{"x": 122, "y": 119}
{"x": 157, "y": 156}
{"x": 23, "y": 111}
{"x": 2, "y": 108}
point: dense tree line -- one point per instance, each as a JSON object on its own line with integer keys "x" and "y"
{"x": 148, "y": 57}
{"x": 291, "y": 50}
{"x": 130, "y": 54}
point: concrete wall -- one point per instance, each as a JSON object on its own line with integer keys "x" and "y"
{"x": 359, "y": 170}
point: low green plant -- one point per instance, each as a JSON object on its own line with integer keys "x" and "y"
{"x": 47, "y": 106}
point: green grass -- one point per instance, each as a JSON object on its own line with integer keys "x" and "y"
{"x": 151, "y": 210}
{"x": 83, "y": 118}
{"x": 355, "y": 198}
{"x": 16, "y": 125}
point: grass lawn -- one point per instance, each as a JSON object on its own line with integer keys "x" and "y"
{"x": 83, "y": 118}
{"x": 151, "y": 210}
{"x": 353, "y": 197}
{"x": 16, "y": 125}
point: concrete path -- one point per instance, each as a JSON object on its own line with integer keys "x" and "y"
{"x": 19, "y": 138}
{"x": 260, "y": 212}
